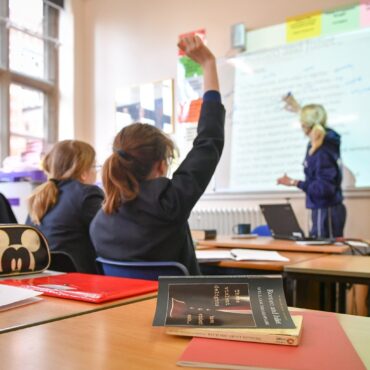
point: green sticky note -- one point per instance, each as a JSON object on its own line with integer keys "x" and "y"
{"x": 341, "y": 20}
{"x": 191, "y": 68}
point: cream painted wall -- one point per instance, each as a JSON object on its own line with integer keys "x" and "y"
{"x": 119, "y": 43}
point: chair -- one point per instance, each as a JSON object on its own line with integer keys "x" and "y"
{"x": 6, "y": 213}
{"x": 141, "y": 270}
{"x": 262, "y": 230}
{"x": 62, "y": 261}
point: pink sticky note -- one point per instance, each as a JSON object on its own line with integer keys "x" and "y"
{"x": 365, "y": 13}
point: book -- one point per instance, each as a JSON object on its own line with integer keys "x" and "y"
{"x": 11, "y": 297}
{"x": 86, "y": 287}
{"x": 239, "y": 255}
{"x": 288, "y": 337}
{"x": 203, "y": 234}
{"x": 222, "y": 301}
{"x": 324, "y": 345}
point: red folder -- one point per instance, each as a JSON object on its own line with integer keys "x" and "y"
{"x": 324, "y": 345}
{"x": 86, "y": 287}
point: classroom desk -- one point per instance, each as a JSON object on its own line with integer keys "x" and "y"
{"x": 119, "y": 338}
{"x": 53, "y": 309}
{"x": 274, "y": 266}
{"x": 333, "y": 269}
{"x": 347, "y": 269}
{"x": 263, "y": 242}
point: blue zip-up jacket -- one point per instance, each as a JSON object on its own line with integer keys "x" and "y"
{"x": 323, "y": 174}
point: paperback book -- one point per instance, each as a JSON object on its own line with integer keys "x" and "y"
{"x": 222, "y": 301}
{"x": 288, "y": 337}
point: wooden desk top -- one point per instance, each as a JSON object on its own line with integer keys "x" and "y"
{"x": 269, "y": 243}
{"x": 52, "y": 309}
{"x": 294, "y": 257}
{"x": 342, "y": 265}
{"x": 119, "y": 338}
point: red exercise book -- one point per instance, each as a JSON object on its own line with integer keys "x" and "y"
{"x": 324, "y": 346}
{"x": 87, "y": 287}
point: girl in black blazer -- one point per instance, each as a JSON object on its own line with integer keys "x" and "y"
{"x": 144, "y": 215}
{"x": 63, "y": 207}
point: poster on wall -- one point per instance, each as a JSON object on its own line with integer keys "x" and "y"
{"x": 151, "y": 103}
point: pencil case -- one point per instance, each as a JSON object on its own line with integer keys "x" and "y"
{"x": 23, "y": 250}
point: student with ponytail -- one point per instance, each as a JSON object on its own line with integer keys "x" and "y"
{"x": 63, "y": 207}
{"x": 323, "y": 171}
{"x": 144, "y": 215}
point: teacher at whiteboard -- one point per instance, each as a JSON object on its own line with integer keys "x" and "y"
{"x": 322, "y": 169}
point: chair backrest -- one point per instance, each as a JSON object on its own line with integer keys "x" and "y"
{"x": 262, "y": 230}
{"x": 141, "y": 270}
{"x": 62, "y": 261}
{"x": 6, "y": 213}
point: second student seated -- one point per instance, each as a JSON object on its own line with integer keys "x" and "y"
{"x": 63, "y": 207}
{"x": 144, "y": 215}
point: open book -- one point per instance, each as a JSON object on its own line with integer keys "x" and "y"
{"x": 239, "y": 255}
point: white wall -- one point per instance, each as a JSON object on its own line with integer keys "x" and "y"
{"x": 120, "y": 43}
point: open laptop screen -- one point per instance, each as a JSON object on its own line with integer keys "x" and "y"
{"x": 282, "y": 221}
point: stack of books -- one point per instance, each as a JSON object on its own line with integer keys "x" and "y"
{"x": 243, "y": 322}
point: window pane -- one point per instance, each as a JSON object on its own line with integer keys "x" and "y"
{"x": 28, "y": 150}
{"x": 28, "y": 15}
{"x": 26, "y": 53}
{"x": 26, "y": 120}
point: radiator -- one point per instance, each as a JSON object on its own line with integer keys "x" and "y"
{"x": 223, "y": 219}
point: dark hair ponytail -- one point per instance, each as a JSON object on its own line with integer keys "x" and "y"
{"x": 136, "y": 149}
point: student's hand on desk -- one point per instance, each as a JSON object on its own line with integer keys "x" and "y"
{"x": 195, "y": 49}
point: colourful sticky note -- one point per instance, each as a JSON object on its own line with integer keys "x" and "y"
{"x": 341, "y": 20}
{"x": 189, "y": 111}
{"x": 365, "y": 13}
{"x": 303, "y": 27}
{"x": 191, "y": 68}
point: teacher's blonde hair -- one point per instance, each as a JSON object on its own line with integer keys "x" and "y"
{"x": 314, "y": 117}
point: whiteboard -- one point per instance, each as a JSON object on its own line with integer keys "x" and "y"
{"x": 263, "y": 141}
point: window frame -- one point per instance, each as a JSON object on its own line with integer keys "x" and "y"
{"x": 48, "y": 86}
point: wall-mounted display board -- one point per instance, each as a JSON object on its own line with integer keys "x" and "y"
{"x": 263, "y": 140}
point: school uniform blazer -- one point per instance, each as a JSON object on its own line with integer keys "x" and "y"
{"x": 66, "y": 225}
{"x": 154, "y": 226}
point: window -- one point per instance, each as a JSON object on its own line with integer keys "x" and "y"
{"x": 28, "y": 77}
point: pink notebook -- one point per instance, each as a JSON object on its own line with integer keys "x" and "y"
{"x": 324, "y": 346}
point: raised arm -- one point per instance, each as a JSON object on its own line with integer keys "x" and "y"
{"x": 195, "y": 49}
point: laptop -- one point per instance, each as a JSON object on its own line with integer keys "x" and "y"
{"x": 283, "y": 223}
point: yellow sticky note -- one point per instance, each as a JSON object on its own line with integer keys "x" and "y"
{"x": 303, "y": 27}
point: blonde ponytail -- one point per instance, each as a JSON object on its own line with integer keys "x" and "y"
{"x": 41, "y": 200}
{"x": 314, "y": 117}
{"x": 317, "y": 136}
